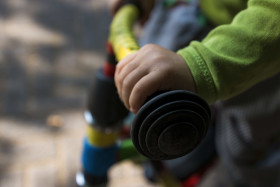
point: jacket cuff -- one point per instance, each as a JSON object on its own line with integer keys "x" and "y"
{"x": 204, "y": 83}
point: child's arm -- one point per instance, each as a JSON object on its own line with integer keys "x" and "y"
{"x": 235, "y": 57}
{"x": 150, "y": 69}
{"x": 230, "y": 60}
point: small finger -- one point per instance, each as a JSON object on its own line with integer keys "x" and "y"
{"x": 119, "y": 74}
{"x": 145, "y": 87}
{"x": 122, "y": 63}
{"x": 128, "y": 83}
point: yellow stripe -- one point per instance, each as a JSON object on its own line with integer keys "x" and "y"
{"x": 121, "y": 34}
{"x": 101, "y": 139}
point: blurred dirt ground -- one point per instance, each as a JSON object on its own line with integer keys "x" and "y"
{"x": 49, "y": 52}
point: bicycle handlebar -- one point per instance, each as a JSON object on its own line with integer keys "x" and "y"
{"x": 121, "y": 33}
{"x": 170, "y": 124}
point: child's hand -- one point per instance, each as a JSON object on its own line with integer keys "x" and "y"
{"x": 148, "y": 70}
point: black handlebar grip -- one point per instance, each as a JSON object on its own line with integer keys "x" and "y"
{"x": 170, "y": 125}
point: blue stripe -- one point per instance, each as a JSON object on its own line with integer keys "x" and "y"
{"x": 96, "y": 161}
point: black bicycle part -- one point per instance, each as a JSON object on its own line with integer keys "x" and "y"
{"x": 170, "y": 125}
{"x": 104, "y": 103}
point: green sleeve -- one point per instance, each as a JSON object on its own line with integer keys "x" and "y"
{"x": 234, "y": 57}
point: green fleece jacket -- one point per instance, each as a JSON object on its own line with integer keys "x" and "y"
{"x": 242, "y": 51}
